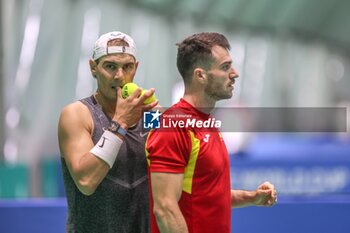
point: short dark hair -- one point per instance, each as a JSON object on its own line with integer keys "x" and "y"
{"x": 195, "y": 51}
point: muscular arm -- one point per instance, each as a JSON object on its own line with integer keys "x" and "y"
{"x": 264, "y": 195}
{"x": 166, "y": 191}
{"x": 74, "y": 135}
{"x": 242, "y": 198}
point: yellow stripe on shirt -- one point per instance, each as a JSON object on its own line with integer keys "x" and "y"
{"x": 189, "y": 170}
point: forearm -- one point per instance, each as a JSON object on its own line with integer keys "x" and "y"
{"x": 166, "y": 192}
{"x": 88, "y": 172}
{"x": 94, "y": 163}
{"x": 242, "y": 198}
{"x": 170, "y": 221}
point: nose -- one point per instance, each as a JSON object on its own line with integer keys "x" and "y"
{"x": 119, "y": 73}
{"x": 234, "y": 74}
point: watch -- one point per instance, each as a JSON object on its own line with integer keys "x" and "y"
{"x": 115, "y": 128}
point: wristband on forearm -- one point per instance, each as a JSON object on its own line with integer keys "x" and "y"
{"x": 107, "y": 147}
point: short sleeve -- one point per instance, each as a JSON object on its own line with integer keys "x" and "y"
{"x": 168, "y": 151}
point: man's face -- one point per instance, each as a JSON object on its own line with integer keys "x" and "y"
{"x": 221, "y": 75}
{"x": 112, "y": 71}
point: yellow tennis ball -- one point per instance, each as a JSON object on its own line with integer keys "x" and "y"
{"x": 150, "y": 99}
{"x": 128, "y": 89}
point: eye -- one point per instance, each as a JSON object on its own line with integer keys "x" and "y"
{"x": 128, "y": 67}
{"x": 111, "y": 66}
{"x": 226, "y": 67}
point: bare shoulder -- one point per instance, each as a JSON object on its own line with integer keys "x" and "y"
{"x": 75, "y": 115}
{"x": 74, "y": 110}
{"x": 75, "y": 127}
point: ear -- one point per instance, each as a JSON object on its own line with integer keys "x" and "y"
{"x": 136, "y": 65}
{"x": 93, "y": 67}
{"x": 200, "y": 75}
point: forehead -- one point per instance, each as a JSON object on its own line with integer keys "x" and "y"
{"x": 220, "y": 55}
{"x": 119, "y": 58}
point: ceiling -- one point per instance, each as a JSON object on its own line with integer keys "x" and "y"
{"x": 323, "y": 19}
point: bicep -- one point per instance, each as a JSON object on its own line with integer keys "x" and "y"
{"x": 73, "y": 135}
{"x": 166, "y": 187}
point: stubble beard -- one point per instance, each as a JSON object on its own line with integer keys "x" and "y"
{"x": 217, "y": 92}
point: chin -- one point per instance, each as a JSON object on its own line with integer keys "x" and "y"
{"x": 228, "y": 96}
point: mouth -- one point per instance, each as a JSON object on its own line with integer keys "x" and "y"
{"x": 116, "y": 85}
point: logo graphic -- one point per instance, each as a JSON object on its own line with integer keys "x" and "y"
{"x": 151, "y": 120}
{"x": 206, "y": 139}
{"x": 143, "y": 134}
{"x": 103, "y": 142}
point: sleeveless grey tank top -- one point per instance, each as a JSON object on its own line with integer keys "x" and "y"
{"x": 120, "y": 203}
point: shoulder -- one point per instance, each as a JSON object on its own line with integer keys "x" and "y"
{"x": 172, "y": 138}
{"x": 75, "y": 114}
{"x": 76, "y": 108}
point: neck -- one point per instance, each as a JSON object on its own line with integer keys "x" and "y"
{"x": 200, "y": 102}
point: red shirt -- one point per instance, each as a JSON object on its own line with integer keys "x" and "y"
{"x": 201, "y": 155}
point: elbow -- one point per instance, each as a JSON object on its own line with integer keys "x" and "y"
{"x": 158, "y": 212}
{"x": 86, "y": 187}
{"x": 162, "y": 209}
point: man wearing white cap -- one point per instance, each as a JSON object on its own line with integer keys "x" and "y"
{"x": 102, "y": 146}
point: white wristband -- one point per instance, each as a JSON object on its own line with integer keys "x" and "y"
{"x": 107, "y": 147}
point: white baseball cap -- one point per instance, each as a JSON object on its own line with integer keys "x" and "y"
{"x": 101, "y": 48}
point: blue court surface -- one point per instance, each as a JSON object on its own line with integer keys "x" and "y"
{"x": 292, "y": 215}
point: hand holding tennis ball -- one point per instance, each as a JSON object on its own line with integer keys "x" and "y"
{"x": 129, "y": 88}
